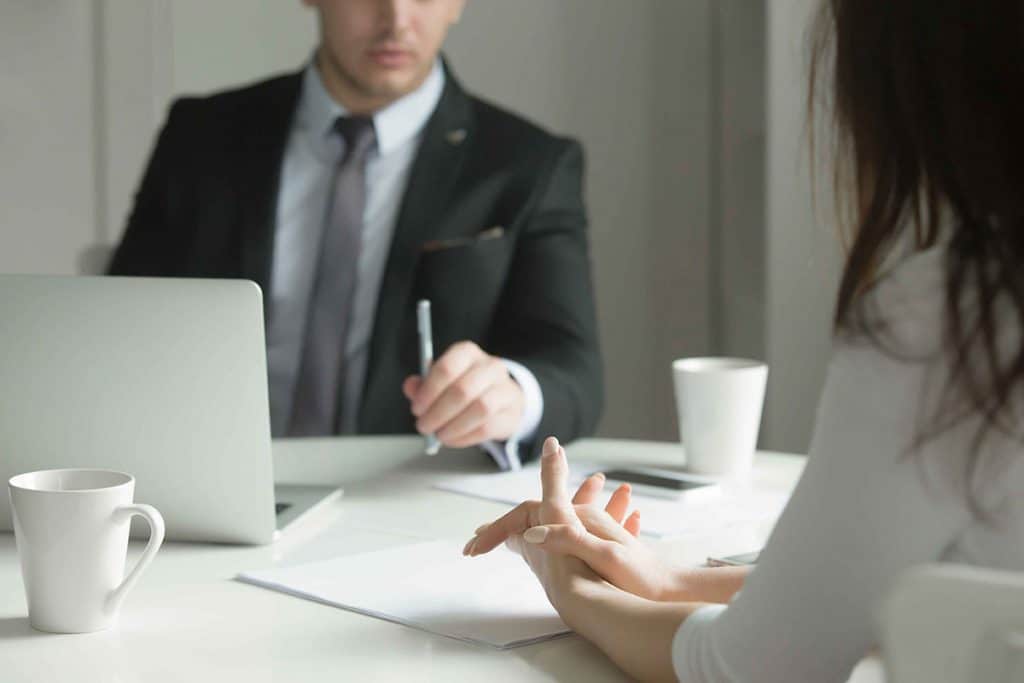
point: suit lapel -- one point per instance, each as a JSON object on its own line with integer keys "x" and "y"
{"x": 260, "y": 155}
{"x": 447, "y": 138}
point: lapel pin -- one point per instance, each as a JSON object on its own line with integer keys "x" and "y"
{"x": 456, "y": 136}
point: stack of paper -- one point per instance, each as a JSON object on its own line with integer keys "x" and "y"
{"x": 490, "y": 600}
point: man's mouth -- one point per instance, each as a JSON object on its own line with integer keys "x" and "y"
{"x": 391, "y": 57}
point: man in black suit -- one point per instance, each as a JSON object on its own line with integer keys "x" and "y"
{"x": 360, "y": 185}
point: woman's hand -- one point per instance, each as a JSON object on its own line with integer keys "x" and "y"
{"x": 560, "y": 575}
{"x": 636, "y": 633}
{"x": 611, "y": 520}
{"x": 605, "y": 539}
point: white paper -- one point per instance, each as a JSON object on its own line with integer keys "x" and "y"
{"x": 723, "y": 512}
{"x": 490, "y": 600}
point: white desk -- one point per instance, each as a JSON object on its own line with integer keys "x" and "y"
{"x": 187, "y": 621}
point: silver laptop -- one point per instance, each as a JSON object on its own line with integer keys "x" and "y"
{"x": 162, "y": 378}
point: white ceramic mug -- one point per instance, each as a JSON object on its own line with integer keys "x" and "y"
{"x": 719, "y": 404}
{"x": 71, "y": 530}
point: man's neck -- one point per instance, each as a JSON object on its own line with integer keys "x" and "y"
{"x": 346, "y": 93}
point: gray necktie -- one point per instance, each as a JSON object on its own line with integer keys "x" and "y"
{"x": 321, "y": 370}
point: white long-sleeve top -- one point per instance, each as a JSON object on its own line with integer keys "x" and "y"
{"x": 867, "y": 507}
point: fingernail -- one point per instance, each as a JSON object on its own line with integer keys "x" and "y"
{"x": 469, "y": 544}
{"x": 472, "y": 547}
{"x": 480, "y": 529}
{"x": 551, "y": 446}
{"x": 599, "y": 475}
{"x": 535, "y": 534}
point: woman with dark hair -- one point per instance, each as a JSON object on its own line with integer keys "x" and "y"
{"x": 917, "y": 454}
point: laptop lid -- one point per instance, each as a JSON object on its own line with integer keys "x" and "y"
{"x": 162, "y": 378}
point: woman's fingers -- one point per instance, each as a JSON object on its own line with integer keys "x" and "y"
{"x": 572, "y": 539}
{"x": 555, "y": 510}
{"x": 554, "y": 473}
{"x": 619, "y": 503}
{"x": 632, "y": 524}
{"x": 516, "y": 521}
{"x": 588, "y": 490}
{"x": 515, "y": 544}
{"x": 556, "y": 507}
{"x": 600, "y": 523}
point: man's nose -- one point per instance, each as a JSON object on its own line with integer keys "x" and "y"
{"x": 396, "y": 15}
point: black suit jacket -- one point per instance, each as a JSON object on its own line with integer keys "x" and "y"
{"x": 207, "y": 208}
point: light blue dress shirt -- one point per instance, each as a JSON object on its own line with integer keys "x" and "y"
{"x": 311, "y": 155}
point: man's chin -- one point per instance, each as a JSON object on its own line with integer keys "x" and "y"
{"x": 391, "y": 86}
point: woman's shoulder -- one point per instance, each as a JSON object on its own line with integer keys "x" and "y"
{"x": 899, "y": 359}
{"x": 904, "y": 310}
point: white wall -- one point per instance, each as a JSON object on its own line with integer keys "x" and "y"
{"x": 738, "y": 233}
{"x": 803, "y": 255}
{"x": 219, "y": 44}
{"x": 48, "y": 206}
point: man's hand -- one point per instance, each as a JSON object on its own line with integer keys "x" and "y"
{"x": 468, "y": 397}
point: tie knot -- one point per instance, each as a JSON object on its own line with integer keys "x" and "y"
{"x": 358, "y": 133}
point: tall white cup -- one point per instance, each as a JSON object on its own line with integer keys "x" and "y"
{"x": 719, "y": 402}
{"x": 71, "y": 530}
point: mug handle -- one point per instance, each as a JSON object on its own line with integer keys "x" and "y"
{"x": 156, "y": 539}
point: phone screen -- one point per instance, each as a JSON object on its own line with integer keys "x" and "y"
{"x": 735, "y": 560}
{"x": 745, "y": 558}
{"x": 647, "y": 479}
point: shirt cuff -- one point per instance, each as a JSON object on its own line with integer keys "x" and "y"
{"x": 506, "y": 454}
{"x": 694, "y": 657}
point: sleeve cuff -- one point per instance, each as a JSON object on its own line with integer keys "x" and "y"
{"x": 506, "y": 454}
{"x": 694, "y": 657}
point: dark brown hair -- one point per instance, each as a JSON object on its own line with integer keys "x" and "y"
{"x": 928, "y": 104}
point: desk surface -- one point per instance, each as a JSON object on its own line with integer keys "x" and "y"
{"x": 187, "y": 620}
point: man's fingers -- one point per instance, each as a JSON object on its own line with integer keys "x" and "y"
{"x": 445, "y": 370}
{"x": 410, "y": 386}
{"x": 588, "y": 490}
{"x": 495, "y": 412}
{"x": 512, "y": 523}
{"x": 470, "y": 391}
{"x": 471, "y": 438}
{"x": 619, "y": 502}
{"x": 632, "y": 524}
{"x": 498, "y": 427}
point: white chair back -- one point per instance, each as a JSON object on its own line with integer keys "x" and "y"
{"x": 954, "y": 624}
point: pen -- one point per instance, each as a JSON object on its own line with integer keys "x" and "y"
{"x": 432, "y": 445}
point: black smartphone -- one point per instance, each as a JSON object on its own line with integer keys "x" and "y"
{"x": 673, "y": 483}
{"x": 664, "y": 483}
{"x": 734, "y": 560}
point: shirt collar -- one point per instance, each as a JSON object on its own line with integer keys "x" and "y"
{"x": 395, "y": 124}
